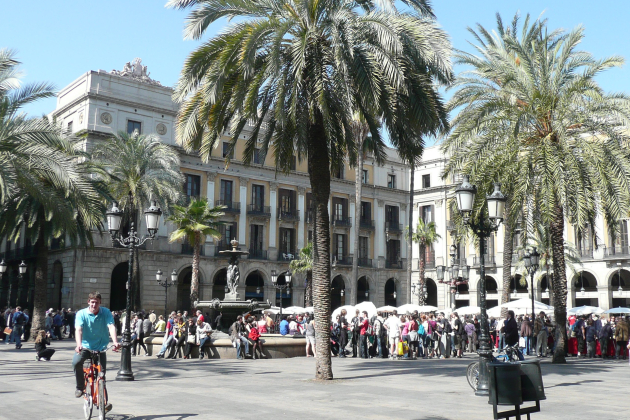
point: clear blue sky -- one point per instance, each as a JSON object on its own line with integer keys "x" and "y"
{"x": 57, "y": 41}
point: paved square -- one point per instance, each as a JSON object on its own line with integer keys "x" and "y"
{"x": 284, "y": 389}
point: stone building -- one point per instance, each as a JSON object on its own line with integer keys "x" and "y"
{"x": 596, "y": 282}
{"x": 267, "y": 212}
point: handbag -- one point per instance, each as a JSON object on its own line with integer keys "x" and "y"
{"x": 8, "y": 331}
{"x": 191, "y": 339}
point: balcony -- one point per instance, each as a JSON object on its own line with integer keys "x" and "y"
{"x": 393, "y": 227}
{"x": 586, "y": 253}
{"x": 287, "y": 256}
{"x": 257, "y": 254}
{"x": 341, "y": 261}
{"x": 310, "y": 216}
{"x": 616, "y": 252}
{"x": 288, "y": 216}
{"x": 488, "y": 260}
{"x": 429, "y": 260}
{"x": 256, "y": 210}
{"x": 366, "y": 224}
{"x": 365, "y": 262}
{"x": 230, "y": 206}
{"x": 341, "y": 221}
{"x": 187, "y": 249}
{"x": 396, "y": 265}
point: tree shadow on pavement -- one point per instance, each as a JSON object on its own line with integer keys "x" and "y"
{"x": 150, "y": 417}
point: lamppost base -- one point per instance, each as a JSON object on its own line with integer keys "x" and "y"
{"x": 124, "y": 376}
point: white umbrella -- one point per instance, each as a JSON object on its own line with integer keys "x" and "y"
{"x": 427, "y": 308}
{"x": 494, "y": 312}
{"x": 368, "y": 307}
{"x": 408, "y": 307}
{"x": 387, "y": 308}
{"x": 585, "y": 310}
{"x": 468, "y": 310}
{"x": 525, "y": 305}
{"x": 446, "y": 311}
{"x": 348, "y": 308}
{"x": 618, "y": 310}
{"x": 309, "y": 309}
{"x": 294, "y": 310}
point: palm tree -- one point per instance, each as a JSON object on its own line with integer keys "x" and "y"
{"x": 194, "y": 223}
{"x": 305, "y": 265}
{"x": 45, "y": 186}
{"x": 147, "y": 169}
{"x": 425, "y": 236}
{"x": 532, "y": 94}
{"x": 302, "y": 68}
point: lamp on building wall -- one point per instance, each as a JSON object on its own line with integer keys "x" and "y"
{"x": 482, "y": 226}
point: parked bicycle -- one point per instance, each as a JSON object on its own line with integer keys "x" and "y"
{"x": 95, "y": 390}
{"x": 508, "y": 354}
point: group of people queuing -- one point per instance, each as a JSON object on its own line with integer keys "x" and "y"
{"x": 591, "y": 330}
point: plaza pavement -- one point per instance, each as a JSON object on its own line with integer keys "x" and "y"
{"x": 284, "y": 389}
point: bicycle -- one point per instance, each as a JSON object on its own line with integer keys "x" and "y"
{"x": 507, "y": 355}
{"x": 95, "y": 392}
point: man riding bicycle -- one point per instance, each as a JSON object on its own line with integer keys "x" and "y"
{"x": 93, "y": 327}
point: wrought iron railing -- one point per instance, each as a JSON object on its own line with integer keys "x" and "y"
{"x": 230, "y": 206}
{"x": 289, "y": 216}
{"x": 257, "y": 254}
{"x": 256, "y": 210}
{"x": 365, "y": 262}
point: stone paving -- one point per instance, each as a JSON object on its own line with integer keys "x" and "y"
{"x": 284, "y": 389}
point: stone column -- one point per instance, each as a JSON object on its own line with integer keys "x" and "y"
{"x": 302, "y": 213}
{"x": 604, "y": 296}
{"x": 210, "y": 195}
{"x": 242, "y": 220}
{"x": 351, "y": 251}
{"x": 273, "y": 230}
{"x": 403, "y": 241}
{"x": 380, "y": 233}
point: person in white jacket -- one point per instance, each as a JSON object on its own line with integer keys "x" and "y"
{"x": 204, "y": 331}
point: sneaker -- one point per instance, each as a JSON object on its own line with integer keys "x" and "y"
{"x": 37, "y": 358}
{"x": 108, "y": 407}
{"x": 78, "y": 393}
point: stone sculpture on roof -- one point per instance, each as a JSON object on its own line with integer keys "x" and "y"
{"x": 137, "y": 72}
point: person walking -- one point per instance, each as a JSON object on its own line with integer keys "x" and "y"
{"x": 541, "y": 331}
{"x": 343, "y": 333}
{"x": 42, "y": 340}
{"x": 19, "y": 320}
{"x": 355, "y": 332}
{"x": 364, "y": 323}
{"x": 394, "y": 331}
{"x": 605, "y": 334}
{"x": 471, "y": 333}
{"x": 526, "y": 333}
{"x": 621, "y": 338}
{"x": 591, "y": 338}
{"x": 380, "y": 332}
{"x": 310, "y": 338}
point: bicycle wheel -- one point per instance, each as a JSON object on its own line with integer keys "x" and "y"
{"x": 87, "y": 407}
{"x": 101, "y": 400}
{"x": 472, "y": 375}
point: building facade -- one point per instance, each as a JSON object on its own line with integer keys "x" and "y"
{"x": 602, "y": 279}
{"x": 266, "y": 211}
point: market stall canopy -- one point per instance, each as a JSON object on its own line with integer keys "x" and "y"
{"x": 368, "y": 307}
{"x": 468, "y": 310}
{"x": 618, "y": 310}
{"x": 348, "y": 308}
{"x": 387, "y": 308}
{"x": 585, "y": 310}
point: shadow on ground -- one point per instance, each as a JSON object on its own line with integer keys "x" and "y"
{"x": 151, "y": 417}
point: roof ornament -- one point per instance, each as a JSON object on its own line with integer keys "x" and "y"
{"x": 136, "y": 71}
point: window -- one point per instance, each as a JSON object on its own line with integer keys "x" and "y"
{"x": 365, "y": 178}
{"x": 391, "y": 214}
{"x": 133, "y": 126}
{"x": 256, "y": 237}
{"x": 426, "y": 181}
{"x": 488, "y": 249}
{"x": 228, "y": 232}
{"x": 427, "y": 214}
{"x": 258, "y": 197}
{"x": 363, "y": 247}
{"x": 70, "y": 127}
{"x": 192, "y": 186}
{"x": 287, "y": 241}
{"x": 340, "y": 172}
{"x": 226, "y": 192}
{"x": 340, "y": 208}
{"x": 227, "y": 153}
{"x": 340, "y": 246}
{"x": 257, "y": 158}
{"x": 366, "y": 210}
{"x": 393, "y": 251}
{"x": 310, "y": 236}
{"x": 391, "y": 181}
{"x": 287, "y": 201}
{"x": 293, "y": 163}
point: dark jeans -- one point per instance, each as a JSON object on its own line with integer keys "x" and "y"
{"x": 603, "y": 346}
{"x": 136, "y": 342}
{"x": 355, "y": 341}
{"x": 47, "y": 354}
{"x": 202, "y": 342}
{"x": 57, "y": 329}
{"x": 581, "y": 349}
{"x": 181, "y": 341}
{"x": 343, "y": 342}
{"x": 77, "y": 365}
{"x": 620, "y": 348}
{"x": 363, "y": 346}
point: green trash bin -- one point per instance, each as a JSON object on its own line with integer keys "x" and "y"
{"x": 505, "y": 384}
{"x": 532, "y": 386}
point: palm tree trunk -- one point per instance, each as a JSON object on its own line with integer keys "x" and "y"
{"x": 421, "y": 268}
{"x": 194, "y": 282}
{"x": 358, "y": 187}
{"x": 559, "y": 284}
{"x": 319, "y": 174}
{"x": 508, "y": 246}
{"x": 410, "y": 236}
{"x": 309, "y": 289}
{"x": 41, "y": 283}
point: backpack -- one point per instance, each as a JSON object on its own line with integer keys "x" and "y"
{"x": 370, "y": 330}
{"x": 21, "y": 319}
{"x": 421, "y": 329}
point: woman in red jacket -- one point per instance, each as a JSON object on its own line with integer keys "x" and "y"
{"x": 254, "y": 336}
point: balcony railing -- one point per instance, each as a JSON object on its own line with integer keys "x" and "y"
{"x": 487, "y": 260}
{"x": 257, "y": 254}
{"x": 256, "y": 210}
{"x": 365, "y": 262}
{"x": 586, "y": 253}
{"x": 230, "y": 206}
{"x": 187, "y": 249}
{"x": 366, "y": 223}
{"x": 394, "y": 264}
{"x": 289, "y": 216}
{"x": 616, "y": 252}
{"x": 287, "y": 256}
{"x": 341, "y": 261}
{"x": 393, "y": 227}
{"x": 339, "y": 220}
{"x": 429, "y": 260}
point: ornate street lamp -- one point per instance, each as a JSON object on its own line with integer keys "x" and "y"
{"x": 281, "y": 287}
{"x": 532, "y": 260}
{"x": 166, "y": 284}
{"x": 131, "y": 242}
{"x": 454, "y": 278}
{"x": 420, "y": 291}
{"x": 482, "y": 227}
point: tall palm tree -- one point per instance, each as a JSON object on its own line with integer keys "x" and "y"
{"x": 532, "y": 93}
{"x": 304, "y": 264}
{"x": 194, "y": 223}
{"x": 145, "y": 167}
{"x": 45, "y": 186}
{"x": 301, "y": 68}
{"x": 425, "y": 236}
